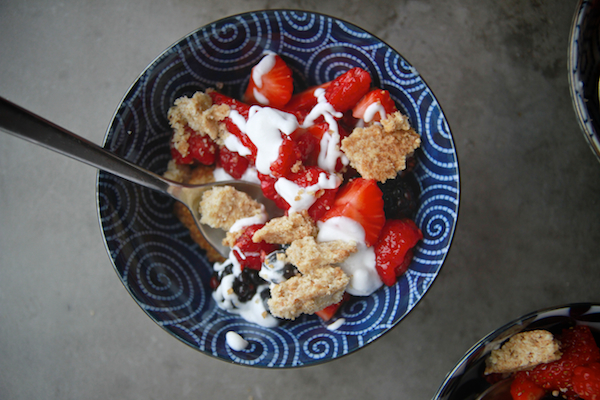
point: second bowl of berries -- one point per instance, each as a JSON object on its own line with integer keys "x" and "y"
{"x": 547, "y": 354}
{"x": 340, "y": 131}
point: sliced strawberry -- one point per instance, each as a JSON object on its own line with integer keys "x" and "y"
{"x": 309, "y": 176}
{"x": 202, "y": 148}
{"x": 179, "y": 158}
{"x": 579, "y": 348}
{"x": 289, "y": 154}
{"x": 393, "y": 250}
{"x": 244, "y": 139}
{"x": 301, "y": 103}
{"x": 267, "y": 184}
{"x": 370, "y": 107}
{"x": 250, "y": 254}
{"x": 271, "y": 83}
{"x": 308, "y": 146}
{"x": 347, "y": 89}
{"x": 360, "y": 199}
{"x": 524, "y": 389}
{"x": 233, "y": 163}
{"x": 305, "y": 100}
{"x": 586, "y": 381}
{"x": 236, "y": 105}
{"x": 328, "y": 312}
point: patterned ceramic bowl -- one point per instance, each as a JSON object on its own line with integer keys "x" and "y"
{"x": 466, "y": 382}
{"x": 152, "y": 253}
{"x": 584, "y": 70}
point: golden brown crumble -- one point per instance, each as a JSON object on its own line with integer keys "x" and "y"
{"x": 199, "y": 114}
{"x": 306, "y": 254}
{"x": 222, "y": 206}
{"x": 379, "y": 151}
{"x": 286, "y": 229}
{"x": 308, "y": 293}
{"x": 177, "y": 172}
{"x": 523, "y": 351}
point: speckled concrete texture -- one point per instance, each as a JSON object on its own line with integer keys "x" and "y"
{"x": 528, "y": 233}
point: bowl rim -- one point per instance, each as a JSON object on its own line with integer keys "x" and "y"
{"x": 452, "y": 229}
{"x": 589, "y": 127}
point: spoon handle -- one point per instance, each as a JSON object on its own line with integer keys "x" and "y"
{"x": 28, "y": 126}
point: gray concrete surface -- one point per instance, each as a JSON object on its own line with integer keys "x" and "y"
{"x": 528, "y": 233}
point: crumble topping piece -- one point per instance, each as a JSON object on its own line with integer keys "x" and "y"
{"x": 379, "y": 151}
{"x": 286, "y": 229}
{"x": 197, "y": 113}
{"x": 222, "y": 206}
{"x": 307, "y": 255}
{"x": 177, "y": 172}
{"x": 308, "y": 293}
{"x": 523, "y": 351}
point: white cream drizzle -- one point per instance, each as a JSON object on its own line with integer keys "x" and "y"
{"x": 302, "y": 198}
{"x": 360, "y": 266}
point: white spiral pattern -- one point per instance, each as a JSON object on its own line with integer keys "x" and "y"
{"x": 153, "y": 254}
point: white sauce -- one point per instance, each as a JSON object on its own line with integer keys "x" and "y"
{"x": 300, "y": 198}
{"x": 264, "y": 128}
{"x": 254, "y": 220}
{"x": 272, "y": 270}
{"x": 335, "y": 325}
{"x": 233, "y": 143}
{"x": 330, "y": 142}
{"x": 374, "y": 109}
{"x": 253, "y": 310}
{"x": 360, "y": 266}
{"x": 235, "y": 341}
{"x": 260, "y": 97}
{"x": 262, "y": 68}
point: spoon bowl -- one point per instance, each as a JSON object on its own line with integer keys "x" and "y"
{"x": 26, "y": 125}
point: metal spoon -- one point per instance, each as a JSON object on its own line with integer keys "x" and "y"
{"x": 26, "y": 125}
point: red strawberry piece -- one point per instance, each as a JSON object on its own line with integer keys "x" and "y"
{"x": 579, "y": 348}
{"x": 393, "y": 250}
{"x": 233, "y": 163}
{"x": 289, "y": 154}
{"x": 301, "y": 103}
{"x": 347, "y": 89}
{"x": 328, "y": 312}
{"x": 179, "y": 158}
{"x": 309, "y": 176}
{"x": 586, "y": 381}
{"x": 236, "y": 105}
{"x": 380, "y": 100}
{"x": 244, "y": 139}
{"x": 250, "y": 254}
{"x": 308, "y": 147}
{"x": 524, "y": 389}
{"x": 267, "y": 184}
{"x": 271, "y": 83}
{"x": 360, "y": 199}
{"x": 202, "y": 148}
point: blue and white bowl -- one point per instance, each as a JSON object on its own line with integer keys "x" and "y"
{"x": 168, "y": 275}
{"x": 466, "y": 380}
{"x": 584, "y": 70}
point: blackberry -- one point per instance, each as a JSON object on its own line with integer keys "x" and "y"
{"x": 246, "y": 283}
{"x": 400, "y": 196}
{"x": 289, "y": 270}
